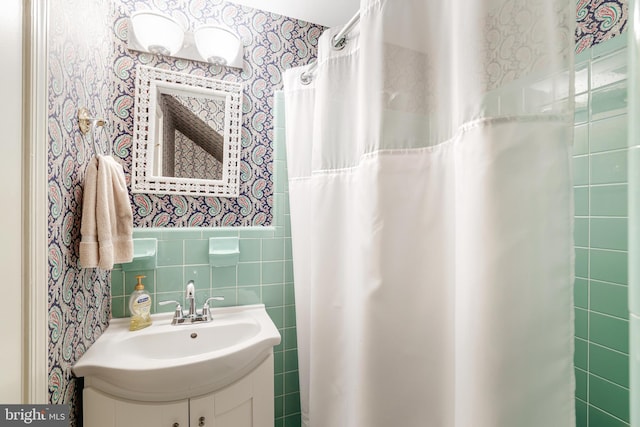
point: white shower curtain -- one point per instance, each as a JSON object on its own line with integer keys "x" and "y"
{"x": 429, "y": 177}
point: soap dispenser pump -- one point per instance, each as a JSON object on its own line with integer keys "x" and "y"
{"x": 140, "y": 307}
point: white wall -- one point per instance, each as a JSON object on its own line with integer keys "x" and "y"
{"x": 11, "y": 363}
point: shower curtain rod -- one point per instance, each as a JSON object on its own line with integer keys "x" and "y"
{"x": 339, "y": 41}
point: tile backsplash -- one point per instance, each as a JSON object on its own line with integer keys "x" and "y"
{"x": 601, "y": 221}
{"x": 263, "y": 275}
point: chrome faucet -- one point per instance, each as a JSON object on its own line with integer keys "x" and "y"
{"x": 191, "y": 298}
{"x": 192, "y": 316}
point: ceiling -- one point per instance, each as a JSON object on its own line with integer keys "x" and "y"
{"x": 330, "y": 13}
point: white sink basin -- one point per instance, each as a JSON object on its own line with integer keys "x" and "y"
{"x": 165, "y": 362}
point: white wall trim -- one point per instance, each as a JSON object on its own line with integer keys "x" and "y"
{"x": 36, "y": 55}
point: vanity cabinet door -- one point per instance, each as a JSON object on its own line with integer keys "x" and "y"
{"x": 245, "y": 403}
{"x": 105, "y": 411}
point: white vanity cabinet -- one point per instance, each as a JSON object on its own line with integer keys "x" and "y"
{"x": 247, "y": 402}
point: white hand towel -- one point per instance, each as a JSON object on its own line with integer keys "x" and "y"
{"x": 107, "y": 218}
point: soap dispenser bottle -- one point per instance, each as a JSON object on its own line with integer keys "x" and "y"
{"x": 140, "y": 307}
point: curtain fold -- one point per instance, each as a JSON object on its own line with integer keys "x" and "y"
{"x": 431, "y": 213}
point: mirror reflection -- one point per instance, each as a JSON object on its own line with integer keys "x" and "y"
{"x": 189, "y": 140}
{"x": 186, "y": 134}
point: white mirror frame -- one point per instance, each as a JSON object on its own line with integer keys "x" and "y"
{"x": 148, "y": 80}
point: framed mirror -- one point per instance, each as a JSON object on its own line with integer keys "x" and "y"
{"x": 186, "y": 137}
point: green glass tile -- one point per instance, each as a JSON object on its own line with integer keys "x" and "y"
{"x": 250, "y": 250}
{"x": 170, "y": 252}
{"x": 143, "y": 233}
{"x": 279, "y": 230}
{"x": 201, "y": 276}
{"x": 117, "y": 283}
{"x": 582, "y": 263}
{"x": 580, "y": 354}
{"x": 608, "y": 266}
{"x": 635, "y": 366}
{"x": 181, "y": 234}
{"x": 196, "y": 252}
{"x": 608, "y": 364}
{"x": 581, "y": 293}
{"x": 167, "y": 296}
{"x": 249, "y": 273}
{"x": 608, "y": 46}
{"x": 249, "y": 295}
{"x": 581, "y": 82}
{"x": 288, "y": 249}
{"x": 287, "y": 224}
{"x": 278, "y": 406}
{"x": 289, "y": 316}
{"x": 581, "y": 384}
{"x": 609, "y": 167}
{"x": 277, "y": 316}
{"x": 278, "y": 384}
{"x": 288, "y": 271}
{"x": 278, "y": 208}
{"x": 598, "y": 418}
{"x": 273, "y": 295}
{"x": 230, "y": 296}
{"x": 609, "y": 397}
{"x": 279, "y": 422}
{"x": 609, "y": 200}
{"x": 169, "y": 279}
{"x": 290, "y": 339}
{"x": 581, "y": 170}
{"x": 609, "y": 101}
{"x": 280, "y": 176}
{"x": 256, "y": 232}
{"x": 130, "y": 281}
{"x": 581, "y": 140}
{"x": 609, "y": 332}
{"x": 280, "y": 146}
{"x": 278, "y": 362}
{"x": 581, "y": 201}
{"x": 609, "y": 299}
{"x": 608, "y": 134}
{"x": 581, "y": 232}
{"x": 272, "y": 249}
{"x": 581, "y": 413}
{"x": 581, "y": 323}
{"x": 294, "y": 420}
{"x": 207, "y": 233}
{"x": 289, "y": 294}
{"x": 272, "y": 272}
{"x": 291, "y": 382}
{"x": 222, "y": 277}
{"x": 609, "y": 69}
{"x": 609, "y": 233}
{"x": 290, "y": 360}
{"x": 117, "y": 306}
{"x": 291, "y": 404}
{"x": 582, "y": 109}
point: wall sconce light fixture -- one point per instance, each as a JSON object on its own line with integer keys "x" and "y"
{"x": 160, "y": 34}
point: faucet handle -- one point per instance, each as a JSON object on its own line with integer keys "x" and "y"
{"x": 177, "y": 314}
{"x": 205, "y": 308}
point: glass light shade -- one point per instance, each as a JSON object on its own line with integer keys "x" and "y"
{"x": 157, "y": 33}
{"x": 216, "y": 44}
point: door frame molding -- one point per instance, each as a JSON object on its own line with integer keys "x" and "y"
{"x": 35, "y": 205}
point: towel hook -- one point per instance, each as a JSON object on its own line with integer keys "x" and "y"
{"x": 88, "y": 123}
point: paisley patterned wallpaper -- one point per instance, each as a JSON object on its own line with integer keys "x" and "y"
{"x": 272, "y": 43}
{"x": 91, "y": 66}
{"x": 599, "y": 20}
{"x": 80, "y": 61}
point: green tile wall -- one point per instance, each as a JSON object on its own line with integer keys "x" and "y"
{"x": 264, "y": 275}
{"x": 601, "y": 224}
